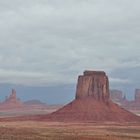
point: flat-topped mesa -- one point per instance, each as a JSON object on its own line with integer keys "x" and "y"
{"x": 88, "y": 72}
{"x": 92, "y": 104}
{"x": 93, "y": 84}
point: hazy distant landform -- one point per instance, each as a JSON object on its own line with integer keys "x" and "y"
{"x": 91, "y": 107}
{"x": 131, "y": 105}
{"x": 13, "y": 106}
{"x": 91, "y": 104}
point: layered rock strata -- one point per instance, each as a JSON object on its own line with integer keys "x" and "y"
{"x": 92, "y": 103}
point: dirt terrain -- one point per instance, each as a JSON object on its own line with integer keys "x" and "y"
{"x": 30, "y": 130}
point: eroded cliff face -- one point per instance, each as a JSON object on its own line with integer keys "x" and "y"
{"x": 92, "y": 102}
{"x": 93, "y": 84}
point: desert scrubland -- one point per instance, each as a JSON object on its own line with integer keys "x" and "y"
{"x": 31, "y": 130}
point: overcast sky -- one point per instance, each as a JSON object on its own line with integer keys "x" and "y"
{"x": 51, "y": 42}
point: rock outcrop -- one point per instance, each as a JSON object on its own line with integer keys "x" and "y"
{"x": 93, "y": 84}
{"x": 92, "y": 103}
{"x": 116, "y": 96}
{"x": 11, "y": 101}
{"x": 137, "y": 95}
{"x": 132, "y": 105}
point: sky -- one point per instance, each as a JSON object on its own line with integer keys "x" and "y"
{"x": 46, "y": 44}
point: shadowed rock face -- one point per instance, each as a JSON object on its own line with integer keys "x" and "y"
{"x": 93, "y": 84}
{"x": 137, "y": 95}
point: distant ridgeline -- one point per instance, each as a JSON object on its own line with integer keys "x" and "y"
{"x": 133, "y": 106}
{"x": 12, "y": 102}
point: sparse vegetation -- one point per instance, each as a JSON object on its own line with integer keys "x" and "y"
{"x": 67, "y": 131}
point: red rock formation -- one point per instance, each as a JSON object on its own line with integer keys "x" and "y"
{"x": 92, "y": 103}
{"x": 93, "y": 84}
{"x": 137, "y": 95}
{"x": 132, "y": 106}
{"x": 11, "y": 101}
{"x": 116, "y": 96}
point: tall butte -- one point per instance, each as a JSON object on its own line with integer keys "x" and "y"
{"x": 11, "y": 102}
{"x": 92, "y": 103}
{"x": 93, "y": 84}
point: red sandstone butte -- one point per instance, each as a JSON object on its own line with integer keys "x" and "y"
{"x": 134, "y": 105}
{"x": 11, "y": 101}
{"x": 92, "y": 103}
{"x": 93, "y": 85}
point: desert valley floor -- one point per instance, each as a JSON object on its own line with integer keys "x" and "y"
{"x": 31, "y": 130}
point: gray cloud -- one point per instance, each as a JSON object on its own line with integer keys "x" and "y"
{"x": 44, "y": 42}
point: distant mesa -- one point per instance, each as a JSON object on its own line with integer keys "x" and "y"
{"x": 116, "y": 96}
{"x": 133, "y": 105}
{"x": 92, "y": 103}
{"x": 11, "y": 102}
{"x": 137, "y": 95}
{"x": 34, "y": 102}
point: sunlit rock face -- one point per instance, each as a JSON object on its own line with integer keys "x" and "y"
{"x": 93, "y": 84}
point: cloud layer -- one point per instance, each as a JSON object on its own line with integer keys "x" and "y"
{"x": 46, "y": 42}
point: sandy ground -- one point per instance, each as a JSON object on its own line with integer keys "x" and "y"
{"x": 21, "y": 112}
{"x": 31, "y": 130}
